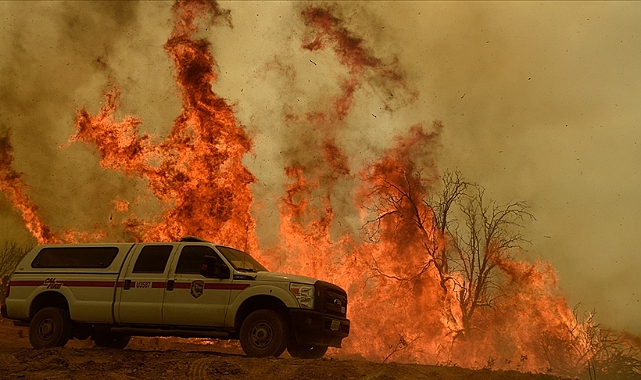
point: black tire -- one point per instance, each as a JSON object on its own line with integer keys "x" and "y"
{"x": 305, "y": 351}
{"x": 264, "y": 333}
{"x": 110, "y": 339}
{"x": 50, "y": 327}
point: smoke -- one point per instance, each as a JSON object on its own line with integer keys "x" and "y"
{"x": 57, "y": 58}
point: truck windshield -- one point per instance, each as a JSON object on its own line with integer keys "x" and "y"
{"x": 241, "y": 260}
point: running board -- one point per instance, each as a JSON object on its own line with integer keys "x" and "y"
{"x": 171, "y": 332}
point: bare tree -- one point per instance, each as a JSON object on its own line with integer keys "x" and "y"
{"x": 466, "y": 253}
{"x": 454, "y": 187}
{"x": 398, "y": 205}
{"x": 403, "y": 214}
{"x": 488, "y": 236}
{"x": 10, "y": 255}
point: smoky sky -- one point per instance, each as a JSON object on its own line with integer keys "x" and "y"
{"x": 539, "y": 102}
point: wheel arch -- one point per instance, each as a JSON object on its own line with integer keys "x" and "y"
{"x": 48, "y": 299}
{"x": 260, "y": 302}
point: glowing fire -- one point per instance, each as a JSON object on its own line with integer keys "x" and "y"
{"x": 13, "y": 186}
{"x": 197, "y": 175}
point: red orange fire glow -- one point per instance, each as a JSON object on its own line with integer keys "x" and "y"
{"x": 196, "y": 173}
{"x": 198, "y": 177}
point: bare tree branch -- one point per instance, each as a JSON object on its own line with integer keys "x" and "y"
{"x": 464, "y": 236}
{"x": 10, "y": 255}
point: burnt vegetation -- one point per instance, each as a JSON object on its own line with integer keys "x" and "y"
{"x": 469, "y": 246}
{"x": 465, "y": 236}
{"x": 603, "y": 353}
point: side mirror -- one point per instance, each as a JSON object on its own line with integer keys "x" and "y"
{"x": 212, "y": 267}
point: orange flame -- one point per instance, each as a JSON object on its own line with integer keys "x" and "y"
{"x": 196, "y": 173}
{"x": 13, "y": 186}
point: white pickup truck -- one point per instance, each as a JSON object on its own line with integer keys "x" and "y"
{"x": 191, "y": 288}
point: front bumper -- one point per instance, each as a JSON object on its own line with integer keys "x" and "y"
{"x": 312, "y": 327}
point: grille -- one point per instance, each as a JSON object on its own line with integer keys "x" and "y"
{"x": 333, "y": 299}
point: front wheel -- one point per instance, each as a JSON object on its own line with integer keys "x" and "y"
{"x": 111, "y": 339}
{"x": 305, "y": 351}
{"x": 264, "y": 333}
{"x": 50, "y": 327}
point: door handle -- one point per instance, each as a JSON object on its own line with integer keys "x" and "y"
{"x": 127, "y": 285}
{"x": 170, "y": 284}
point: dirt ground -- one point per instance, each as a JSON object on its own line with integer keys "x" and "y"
{"x": 174, "y": 358}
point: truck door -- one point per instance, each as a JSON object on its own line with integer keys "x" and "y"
{"x": 142, "y": 288}
{"x": 192, "y": 299}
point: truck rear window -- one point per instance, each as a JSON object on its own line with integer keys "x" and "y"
{"x": 75, "y": 257}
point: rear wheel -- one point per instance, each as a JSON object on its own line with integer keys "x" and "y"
{"x": 264, "y": 333}
{"x": 305, "y": 351}
{"x": 111, "y": 339}
{"x": 50, "y": 327}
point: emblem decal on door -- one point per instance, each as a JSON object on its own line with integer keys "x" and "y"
{"x": 197, "y": 288}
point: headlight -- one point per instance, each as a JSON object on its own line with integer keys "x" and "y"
{"x": 304, "y": 294}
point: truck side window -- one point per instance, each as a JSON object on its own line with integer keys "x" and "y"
{"x": 191, "y": 259}
{"x": 75, "y": 257}
{"x": 152, "y": 259}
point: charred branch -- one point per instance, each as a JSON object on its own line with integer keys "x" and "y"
{"x": 489, "y": 234}
{"x": 400, "y": 346}
{"x": 397, "y": 202}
